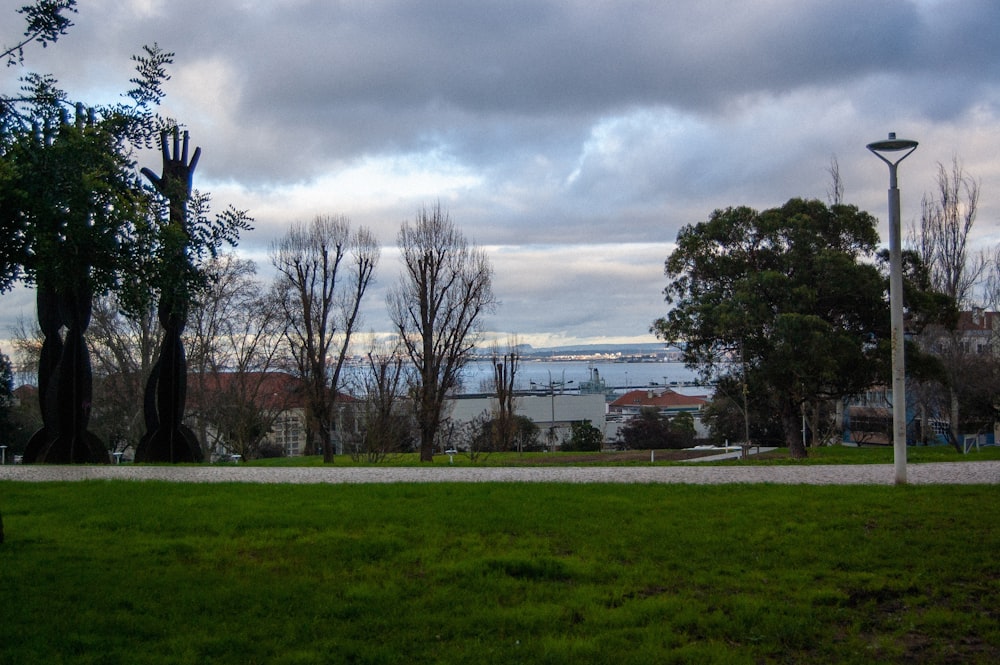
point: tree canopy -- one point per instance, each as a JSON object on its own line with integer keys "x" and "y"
{"x": 790, "y": 299}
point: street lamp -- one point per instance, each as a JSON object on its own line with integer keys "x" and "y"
{"x": 893, "y": 145}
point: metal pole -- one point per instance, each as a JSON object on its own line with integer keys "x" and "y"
{"x": 898, "y": 337}
{"x": 896, "y": 303}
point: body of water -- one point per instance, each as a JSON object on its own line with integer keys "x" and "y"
{"x": 623, "y": 376}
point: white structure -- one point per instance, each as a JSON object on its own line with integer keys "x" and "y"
{"x": 553, "y": 411}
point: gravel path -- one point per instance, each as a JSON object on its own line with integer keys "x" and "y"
{"x": 952, "y": 473}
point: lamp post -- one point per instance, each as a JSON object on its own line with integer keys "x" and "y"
{"x": 891, "y": 146}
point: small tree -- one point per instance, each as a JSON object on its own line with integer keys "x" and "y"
{"x": 584, "y": 437}
{"x": 381, "y": 426}
{"x": 234, "y": 335}
{"x": 522, "y": 431}
{"x": 651, "y": 430}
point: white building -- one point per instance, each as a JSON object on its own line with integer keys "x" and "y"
{"x": 550, "y": 412}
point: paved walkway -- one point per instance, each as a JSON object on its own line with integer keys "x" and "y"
{"x": 729, "y": 454}
{"x": 951, "y": 473}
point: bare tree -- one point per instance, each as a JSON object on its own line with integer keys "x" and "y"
{"x": 26, "y": 337}
{"x": 436, "y": 308}
{"x": 123, "y": 349}
{"x": 324, "y": 269}
{"x": 381, "y": 426}
{"x": 946, "y": 220}
{"x": 235, "y": 334}
{"x": 835, "y": 193}
{"x": 942, "y": 242}
{"x": 506, "y": 363}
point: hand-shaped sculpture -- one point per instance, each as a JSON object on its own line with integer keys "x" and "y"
{"x": 167, "y": 439}
{"x": 178, "y": 174}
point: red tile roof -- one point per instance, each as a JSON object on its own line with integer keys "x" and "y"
{"x": 662, "y": 398}
{"x": 978, "y": 320}
{"x": 270, "y": 390}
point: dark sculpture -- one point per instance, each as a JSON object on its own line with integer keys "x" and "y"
{"x": 65, "y": 383}
{"x": 167, "y": 439}
{"x": 65, "y": 378}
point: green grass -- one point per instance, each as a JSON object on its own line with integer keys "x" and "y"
{"x": 146, "y": 572}
{"x": 822, "y": 455}
{"x": 879, "y": 455}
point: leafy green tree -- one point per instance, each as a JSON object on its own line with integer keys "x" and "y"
{"x": 790, "y": 298}
{"x": 651, "y": 430}
{"x": 71, "y": 197}
{"x": 584, "y": 437}
{"x": 522, "y": 435}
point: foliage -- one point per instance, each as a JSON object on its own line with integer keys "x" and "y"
{"x": 71, "y": 203}
{"x": 651, "y": 430}
{"x": 840, "y": 454}
{"x": 45, "y": 22}
{"x": 521, "y": 434}
{"x": 70, "y": 199}
{"x": 495, "y": 573}
{"x": 787, "y": 298}
{"x": 583, "y": 437}
{"x": 6, "y": 398}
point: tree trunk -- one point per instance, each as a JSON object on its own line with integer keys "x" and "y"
{"x": 426, "y": 445}
{"x": 955, "y": 414}
{"x": 791, "y": 421}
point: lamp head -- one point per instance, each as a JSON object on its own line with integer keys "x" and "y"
{"x": 892, "y": 144}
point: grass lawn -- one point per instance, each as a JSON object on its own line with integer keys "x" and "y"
{"x": 148, "y": 572}
{"x": 821, "y": 455}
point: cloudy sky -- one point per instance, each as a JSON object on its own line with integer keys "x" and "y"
{"x": 570, "y": 138}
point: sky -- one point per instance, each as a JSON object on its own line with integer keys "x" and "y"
{"x": 571, "y": 139}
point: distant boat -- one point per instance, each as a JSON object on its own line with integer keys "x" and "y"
{"x": 595, "y": 385}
